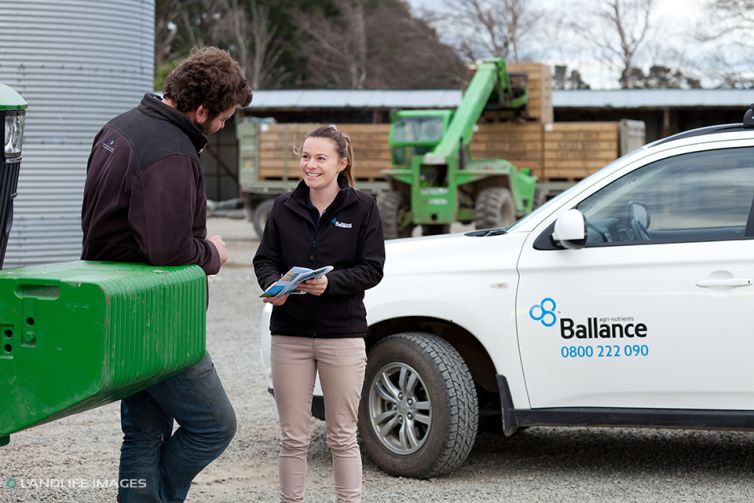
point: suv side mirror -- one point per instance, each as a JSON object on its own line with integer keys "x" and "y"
{"x": 570, "y": 230}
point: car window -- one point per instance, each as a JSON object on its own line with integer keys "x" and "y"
{"x": 701, "y": 196}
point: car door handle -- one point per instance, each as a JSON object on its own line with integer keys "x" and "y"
{"x": 723, "y": 282}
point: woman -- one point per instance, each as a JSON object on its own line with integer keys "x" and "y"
{"x": 324, "y": 221}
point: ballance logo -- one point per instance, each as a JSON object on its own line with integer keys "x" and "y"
{"x": 340, "y": 224}
{"x": 616, "y": 327}
{"x": 544, "y": 312}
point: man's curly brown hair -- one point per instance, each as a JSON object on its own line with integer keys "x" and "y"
{"x": 209, "y": 77}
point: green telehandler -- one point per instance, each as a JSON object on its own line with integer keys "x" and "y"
{"x": 434, "y": 182}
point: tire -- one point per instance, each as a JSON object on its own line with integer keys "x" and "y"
{"x": 248, "y": 211}
{"x": 393, "y": 207}
{"x": 434, "y": 230}
{"x": 540, "y": 197}
{"x": 494, "y": 208}
{"x": 260, "y": 214}
{"x": 417, "y": 383}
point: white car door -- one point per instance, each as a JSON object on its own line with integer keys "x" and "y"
{"x": 655, "y": 311}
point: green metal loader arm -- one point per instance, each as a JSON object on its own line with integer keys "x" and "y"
{"x": 491, "y": 75}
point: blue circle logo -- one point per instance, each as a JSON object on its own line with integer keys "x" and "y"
{"x": 10, "y": 483}
{"x": 544, "y": 312}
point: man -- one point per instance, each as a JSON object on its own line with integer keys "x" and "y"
{"x": 144, "y": 201}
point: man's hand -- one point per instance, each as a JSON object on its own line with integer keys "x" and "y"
{"x": 222, "y": 249}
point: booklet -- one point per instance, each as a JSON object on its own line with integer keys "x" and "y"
{"x": 287, "y": 284}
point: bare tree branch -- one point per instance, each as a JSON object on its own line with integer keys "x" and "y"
{"x": 483, "y": 28}
{"x": 617, "y": 29}
{"x": 336, "y": 48}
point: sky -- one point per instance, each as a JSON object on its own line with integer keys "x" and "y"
{"x": 673, "y": 24}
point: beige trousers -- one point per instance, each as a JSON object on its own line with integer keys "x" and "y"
{"x": 341, "y": 364}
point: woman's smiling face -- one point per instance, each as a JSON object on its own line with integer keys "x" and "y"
{"x": 320, "y": 163}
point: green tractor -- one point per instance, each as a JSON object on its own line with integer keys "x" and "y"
{"x": 434, "y": 182}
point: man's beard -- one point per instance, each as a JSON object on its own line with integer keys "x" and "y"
{"x": 204, "y": 127}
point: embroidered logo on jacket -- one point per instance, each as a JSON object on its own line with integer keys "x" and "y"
{"x": 344, "y": 225}
{"x": 110, "y": 144}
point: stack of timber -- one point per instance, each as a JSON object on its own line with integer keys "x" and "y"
{"x": 279, "y": 144}
{"x": 539, "y": 77}
{"x": 575, "y": 150}
{"x": 561, "y": 151}
{"x": 518, "y": 143}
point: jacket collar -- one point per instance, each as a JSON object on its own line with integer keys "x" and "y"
{"x": 299, "y": 200}
{"x": 301, "y": 193}
{"x": 152, "y": 105}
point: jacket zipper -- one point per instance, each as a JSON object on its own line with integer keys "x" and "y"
{"x": 312, "y": 255}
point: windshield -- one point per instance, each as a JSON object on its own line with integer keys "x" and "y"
{"x": 417, "y": 130}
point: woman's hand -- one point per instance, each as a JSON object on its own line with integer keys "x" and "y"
{"x": 275, "y": 301}
{"x": 314, "y": 286}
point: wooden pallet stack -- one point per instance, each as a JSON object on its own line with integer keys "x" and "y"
{"x": 530, "y": 139}
{"x": 517, "y": 142}
{"x": 279, "y": 143}
{"x": 554, "y": 151}
{"x": 539, "y": 81}
{"x": 574, "y": 150}
{"x": 558, "y": 151}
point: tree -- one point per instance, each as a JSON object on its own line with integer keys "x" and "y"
{"x": 483, "y": 28}
{"x": 309, "y": 43}
{"x": 251, "y": 34}
{"x": 617, "y": 29}
{"x": 728, "y": 43}
{"x": 405, "y": 52}
{"x": 372, "y": 44}
{"x": 335, "y": 46}
{"x": 181, "y": 25}
{"x": 664, "y": 77}
{"x": 562, "y": 80}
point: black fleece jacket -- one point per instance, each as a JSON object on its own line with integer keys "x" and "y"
{"x": 348, "y": 236}
{"x": 144, "y": 198}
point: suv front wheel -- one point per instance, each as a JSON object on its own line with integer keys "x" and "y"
{"x": 418, "y": 415}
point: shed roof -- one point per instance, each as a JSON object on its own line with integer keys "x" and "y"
{"x": 356, "y": 98}
{"x": 653, "y": 98}
{"x": 447, "y": 98}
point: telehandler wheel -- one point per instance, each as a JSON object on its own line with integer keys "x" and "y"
{"x": 393, "y": 207}
{"x": 494, "y": 207}
{"x": 540, "y": 197}
{"x": 259, "y": 215}
{"x": 434, "y": 230}
{"x": 419, "y": 412}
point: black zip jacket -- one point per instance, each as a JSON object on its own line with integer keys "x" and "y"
{"x": 144, "y": 197}
{"x": 348, "y": 236}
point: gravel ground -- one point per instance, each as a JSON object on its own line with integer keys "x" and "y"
{"x": 539, "y": 464}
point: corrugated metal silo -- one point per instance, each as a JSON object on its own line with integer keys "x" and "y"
{"x": 78, "y": 63}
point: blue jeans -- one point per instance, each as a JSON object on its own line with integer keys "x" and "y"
{"x": 157, "y": 465}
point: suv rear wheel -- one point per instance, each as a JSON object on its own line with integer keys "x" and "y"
{"x": 418, "y": 414}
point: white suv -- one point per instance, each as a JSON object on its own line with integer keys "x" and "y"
{"x": 623, "y": 301}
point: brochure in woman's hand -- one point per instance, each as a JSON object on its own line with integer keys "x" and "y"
{"x": 287, "y": 284}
